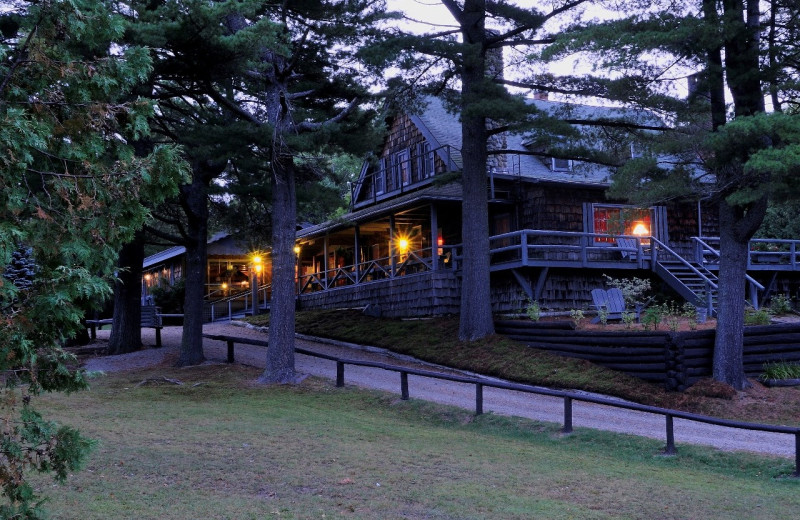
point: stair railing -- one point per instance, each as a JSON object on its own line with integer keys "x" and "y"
{"x": 661, "y": 249}
{"x": 702, "y": 248}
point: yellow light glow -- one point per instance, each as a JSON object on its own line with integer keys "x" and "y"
{"x": 256, "y": 259}
{"x": 147, "y": 277}
{"x": 297, "y": 250}
{"x": 258, "y": 268}
{"x": 640, "y": 230}
{"x": 402, "y": 244}
{"x": 224, "y": 286}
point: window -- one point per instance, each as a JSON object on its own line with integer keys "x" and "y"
{"x": 560, "y": 165}
{"x": 380, "y": 178}
{"x": 426, "y": 160}
{"x": 620, "y": 220}
{"x": 402, "y": 169}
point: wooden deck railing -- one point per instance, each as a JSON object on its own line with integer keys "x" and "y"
{"x": 411, "y": 262}
{"x": 765, "y": 254}
{"x": 537, "y": 248}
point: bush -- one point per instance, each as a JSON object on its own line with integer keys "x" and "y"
{"x": 780, "y": 304}
{"x": 633, "y": 289}
{"x": 534, "y": 311}
{"x": 757, "y": 317}
{"x": 169, "y": 297}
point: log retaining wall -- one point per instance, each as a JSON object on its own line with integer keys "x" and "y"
{"x": 675, "y": 359}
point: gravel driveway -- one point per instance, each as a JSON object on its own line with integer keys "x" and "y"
{"x": 541, "y": 408}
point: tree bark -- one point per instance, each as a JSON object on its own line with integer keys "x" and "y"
{"x": 728, "y": 364}
{"x": 738, "y": 224}
{"x": 280, "y": 354}
{"x": 476, "y": 308}
{"x": 126, "y": 331}
{"x": 194, "y": 201}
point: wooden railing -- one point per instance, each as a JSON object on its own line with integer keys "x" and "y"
{"x": 530, "y": 247}
{"x": 567, "y": 397}
{"x": 411, "y": 262}
{"x": 397, "y": 178}
{"x": 768, "y": 254}
{"x": 568, "y": 249}
{"x": 235, "y": 304}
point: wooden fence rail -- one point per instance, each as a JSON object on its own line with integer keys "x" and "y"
{"x": 567, "y": 397}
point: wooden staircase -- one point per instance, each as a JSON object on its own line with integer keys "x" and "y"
{"x": 691, "y": 281}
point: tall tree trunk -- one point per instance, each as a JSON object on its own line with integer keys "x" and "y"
{"x": 194, "y": 201}
{"x": 728, "y": 364}
{"x": 738, "y": 224}
{"x": 280, "y": 354}
{"x": 476, "y": 307}
{"x": 126, "y": 332}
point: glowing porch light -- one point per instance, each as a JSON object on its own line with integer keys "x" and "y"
{"x": 402, "y": 245}
{"x": 640, "y": 230}
{"x": 297, "y": 250}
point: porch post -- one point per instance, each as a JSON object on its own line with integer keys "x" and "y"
{"x": 325, "y": 262}
{"x": 392, "y": 262}
{"x": 357, "y": 253}
{"x": 434, "y": 238}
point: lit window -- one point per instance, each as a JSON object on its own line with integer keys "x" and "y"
{"x": 620, "y": 220}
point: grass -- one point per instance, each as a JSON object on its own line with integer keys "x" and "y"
{"x": 436, "y": 340}
{"x": 221, "y": 447}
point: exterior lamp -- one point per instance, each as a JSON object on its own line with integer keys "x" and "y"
{"x": 297, "y": 250}
{"x": 640, "y": 230}
{"x": 402, "y": 245}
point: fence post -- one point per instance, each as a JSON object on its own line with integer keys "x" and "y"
{"x": 230, "y": 311}
{"x": 339, "y": 374}
{"x": 230, "y": 351}
{"x": 797, "y": 454}
{"x": 567, "y": 415}
{"x": 404, "y": 386}
{"x": 478, "y": 399}
{"x": 669, "y": 449}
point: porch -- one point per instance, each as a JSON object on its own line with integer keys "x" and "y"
{"x": 693, "y": 276}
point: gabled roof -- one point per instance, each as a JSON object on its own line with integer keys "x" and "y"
{"x": 218, "y": 245}
{"x": 451, "y": 191}
{"x": 443, "y": 127}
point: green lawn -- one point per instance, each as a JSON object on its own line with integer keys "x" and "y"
{"x": 220, "y": 446}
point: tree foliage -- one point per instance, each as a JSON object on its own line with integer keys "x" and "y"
{"x": 70, "y": 186}
{"x": 721, "y": 143}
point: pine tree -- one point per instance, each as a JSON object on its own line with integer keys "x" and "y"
{"x": 70, "y": 190}
{"x": 739, "y": 156}
{"x": 473, "y": 81}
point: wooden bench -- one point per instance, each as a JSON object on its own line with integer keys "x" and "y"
{"x": 231, "y": 340}
{"x": 151, "y": 319}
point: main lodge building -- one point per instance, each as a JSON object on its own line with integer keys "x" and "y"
{"x": 554, "y": 233}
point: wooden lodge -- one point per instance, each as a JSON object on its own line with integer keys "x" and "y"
{"x": 554, "y": 233}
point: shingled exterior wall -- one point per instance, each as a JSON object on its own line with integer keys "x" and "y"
{"x": 424, "y": 294}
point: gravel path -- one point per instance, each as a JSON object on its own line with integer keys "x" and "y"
{"x": 541, "y": 408}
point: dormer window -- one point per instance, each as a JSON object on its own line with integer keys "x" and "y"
{"x": 560, "y": 165}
